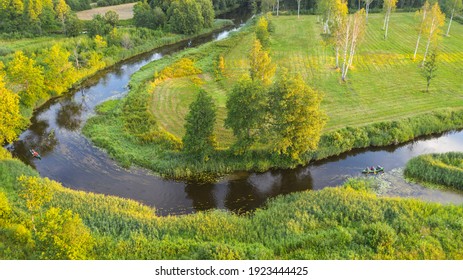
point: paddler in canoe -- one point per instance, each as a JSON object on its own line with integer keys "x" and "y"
{"x": 372, "y": 169}
{"x": 35, "y": 154}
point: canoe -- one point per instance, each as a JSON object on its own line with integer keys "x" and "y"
{"x": 35, "y": 154}
{"x": 374, "y": 171}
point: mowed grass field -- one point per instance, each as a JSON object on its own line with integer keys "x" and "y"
{"x": 125, "y": 11}
{"x": 384, "y": 83}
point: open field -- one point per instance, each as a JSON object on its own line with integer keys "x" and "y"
{"x": 125, "y": 11}
{"x": 384, "y": 84}
{"x": 382, "y": 103}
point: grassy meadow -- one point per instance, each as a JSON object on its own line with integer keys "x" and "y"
{"x": 382, "y": 103}
{"x": 384, "y": 84}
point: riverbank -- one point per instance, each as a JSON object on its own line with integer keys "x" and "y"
{"x": 93, "y": 58}
{"x": 348, "y": 222}
{"x": 375, "y": 121}
{"x": 440, "y": 170}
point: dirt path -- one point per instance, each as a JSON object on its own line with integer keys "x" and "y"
{"x": 125, "y": 11}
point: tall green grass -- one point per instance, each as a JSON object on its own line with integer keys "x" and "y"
{"x": 347, "y": 222}
{"x": 442, "y": 169}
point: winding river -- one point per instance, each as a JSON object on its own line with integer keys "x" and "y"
{"x": 70, "y": 158}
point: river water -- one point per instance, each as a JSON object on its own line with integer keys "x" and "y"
{"x": 68, "y": 157}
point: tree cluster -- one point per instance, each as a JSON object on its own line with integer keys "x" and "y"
{"x": 182, "y": 16}
{"x": 35, "y": 17}
{"x": 286, "y": 113}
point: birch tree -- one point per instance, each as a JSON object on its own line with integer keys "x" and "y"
{"x": 389, "y": 7}
{"x": 424, "y": 11}
{"x": 298, "y": 7}
{"x": 435, "y": 21}
{"x": 334, "y": 15}
{"x": 354, "y": 30}
{"x": 367, "y": 7}
{"x": 278, "y": 6}
{"x": 450, "y": 7}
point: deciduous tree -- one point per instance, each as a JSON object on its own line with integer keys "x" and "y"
{"x": 26, "y": 78}
{"x": 11, "y": 120}
{"x": 429, "y": 68}
{"x": 199, "y": 139}
{"x": 388, "y": 7}
{"x": 434, "y": 22}
{"x": 262, "y": 69}
{"x": 36, "y": 192}
{"x": 297, "y": 120}
{"x": 59, "y": 72}
{"x": 422, "y": 27}
{"x": 61, "y": 235}
{"x": 262, "y": 33}
{"x": 354, "y": 30}
{"x": 451, "y": 7}
{"x": 246, "y": 111}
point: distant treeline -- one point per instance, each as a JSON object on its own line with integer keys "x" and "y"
{"x": 310, "y": 6}
{"x": 79, "y": 5}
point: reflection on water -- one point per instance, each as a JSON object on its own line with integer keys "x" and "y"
{"x": 70, "y": 158}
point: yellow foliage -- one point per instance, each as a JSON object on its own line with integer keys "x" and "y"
{"x": 100, "y": 42}
{"x": 181, "y": 68}
{"x": 10, "y": 116}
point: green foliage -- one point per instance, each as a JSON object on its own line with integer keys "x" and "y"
{"x": 62, "y": 235}
{"x": 296, "y": 116}
{"x": 99, "y": 25}
{"x": 27, "y": 79}
{"x": 442, "y": 169}
{"x": 32, "y": 17}
{"x": 112, "y": 18}
{"x": 247, "y": 108}
{"x": 36, "y": 192}
{"x": 387, "y": 133}
{"x": 262, "y": 69}
{"x": 262, "y": 32}
{"x": 59, "y": 73}
{"x": 11, "y": 121}
{"x": 347, "y": 222}
{"x": 429, "y": 69}
{"x": 199, "y": 139}
{"x": 185, "y": 17}
{"x": 145, "y": 16}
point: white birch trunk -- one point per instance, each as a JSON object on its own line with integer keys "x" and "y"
{"x": 450, "y": 23}
{"x": 298, "y": 7}
{"x": 278, "y": 6}
{"x": 419, "y": 34}
{"x": 431, "y": 32}
{"x": 346, "y": 46}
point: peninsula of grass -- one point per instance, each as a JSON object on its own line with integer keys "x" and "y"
{"x": 439, "y": 169}
{"x": 348, "y": 222}
{"x": 382, "y": 103}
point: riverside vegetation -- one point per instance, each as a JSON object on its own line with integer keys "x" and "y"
{"x": 367, "y": 110}
{"x": 33, "y": 70}
{"x": 347, "y": 222}
{"x": 440, "y": 169}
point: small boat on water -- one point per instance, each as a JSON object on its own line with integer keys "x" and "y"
{"x": 35, "y": 154}
{"x": 373, "y": 170}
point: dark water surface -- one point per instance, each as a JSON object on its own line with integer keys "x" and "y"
{"x": 70, "y": 158}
